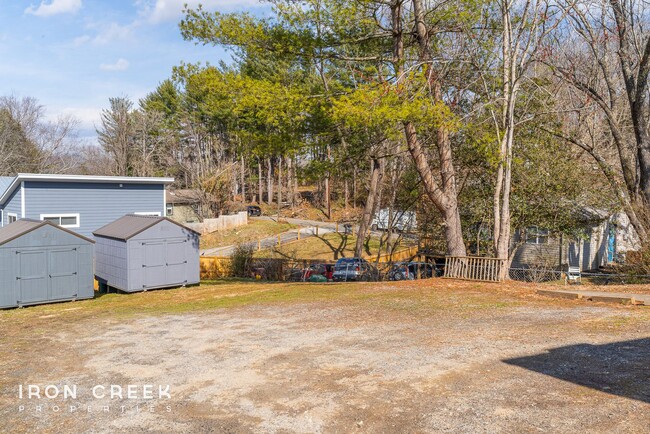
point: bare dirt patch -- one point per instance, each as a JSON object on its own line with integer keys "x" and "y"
{"x": 411, "y": 357}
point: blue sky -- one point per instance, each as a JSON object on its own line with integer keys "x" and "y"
{"x": 72, "y": 55}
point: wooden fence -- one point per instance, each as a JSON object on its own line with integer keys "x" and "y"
{"x": 474, "y": 268}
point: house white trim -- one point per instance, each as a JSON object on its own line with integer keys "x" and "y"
{"x": 76, "y": 215}
{"x": 11, "y": 214}
{"x": 164, "y": 201}
{"x": 22, "y": 200}
{"x": 148, "y": 213}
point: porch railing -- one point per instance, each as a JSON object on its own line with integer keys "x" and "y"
{"x": 475, "y": 268}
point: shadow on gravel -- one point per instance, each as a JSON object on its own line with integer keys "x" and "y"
{"x": 619, "y": 368}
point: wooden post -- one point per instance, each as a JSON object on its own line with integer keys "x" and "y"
{"x": 259, "y": 244}
{"x": 279, "y": 240}
{"x": 337, "y": 227}
{"x": 316, "y": 230}
{"x": 298, "y": 234}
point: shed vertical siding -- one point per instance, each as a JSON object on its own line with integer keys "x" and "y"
{"x": 111, "y": 261}
{"x": 8, "y": 296}
{"x": 170, "y": 245}
{"x": 33, "y": 272}
{"x": 163, "y": 255}
{"x": 97, "y": 203}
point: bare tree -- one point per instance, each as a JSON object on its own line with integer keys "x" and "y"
{"x": 603, "y": 56}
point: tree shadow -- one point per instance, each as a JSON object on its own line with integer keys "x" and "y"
{"x": 619, "y": 368}
{"x": 340, "y": 249}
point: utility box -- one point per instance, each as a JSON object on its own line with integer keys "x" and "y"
{"x": 137, "y": 253}
{"x": 41, "y": 262}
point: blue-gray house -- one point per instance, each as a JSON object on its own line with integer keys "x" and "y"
{"x": 80, "y": 203}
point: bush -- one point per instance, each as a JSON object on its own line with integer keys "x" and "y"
{"x": 638, "y": 263}
{"x": 242, "y": 261}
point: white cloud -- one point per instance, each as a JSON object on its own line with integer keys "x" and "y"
{"x": 81, "y": 40}
{"x": 120, "y": 65}
{"x": 165, "y": 10}
{"x": 55, "y": 7}
{"x": 113, "y": 33}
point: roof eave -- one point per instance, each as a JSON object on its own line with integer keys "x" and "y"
{"x": 79, "y": 178}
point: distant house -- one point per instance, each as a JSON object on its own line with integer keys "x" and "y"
{"x": 183, "y": 206}
{"x": 605, "y": 240}
{"x": 79, "y": 203}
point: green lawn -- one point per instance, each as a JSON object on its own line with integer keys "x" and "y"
{"x": 251, "y": 232}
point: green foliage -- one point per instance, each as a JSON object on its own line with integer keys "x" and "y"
{"x": 242, "y": 261}
{"x": 385, "y": 108}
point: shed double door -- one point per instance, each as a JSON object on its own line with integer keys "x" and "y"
{"x": 165, "y": 263}
{"x": 47, "y": 275}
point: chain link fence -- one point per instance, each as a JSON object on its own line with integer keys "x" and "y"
{"x": 542, "y": 275}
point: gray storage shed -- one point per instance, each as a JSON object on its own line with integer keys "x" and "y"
{"x": 41, "y": 262}
{"x": 137, "y": 253}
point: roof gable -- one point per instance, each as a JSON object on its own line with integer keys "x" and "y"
{"x": 130, "y": 225}
{"x": 24, "y": 226}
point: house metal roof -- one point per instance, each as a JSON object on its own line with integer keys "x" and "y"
{"x": 131, "y": 225}
{"x": 184, "y": 196}
{"x": 9, "y": 184}
{"x": 24, "y": 226}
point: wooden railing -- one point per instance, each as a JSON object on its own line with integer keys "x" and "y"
{"x": 474, "y": 268}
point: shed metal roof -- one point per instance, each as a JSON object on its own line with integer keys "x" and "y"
{"x": 130, "y": 225}
{"x": 24, "y": 226}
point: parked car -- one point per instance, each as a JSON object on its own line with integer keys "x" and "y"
{"x": 411, "y": 271}
{"x": 353, "y": 269}
{"x": 254, "y": 211}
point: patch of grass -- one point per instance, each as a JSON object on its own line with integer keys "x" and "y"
{"x": 330, "y": 247}
{"x": 251, "y": 232}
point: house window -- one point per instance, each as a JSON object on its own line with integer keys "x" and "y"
{"x": 63, "y": 220}
{"x": 11, "y": 218}
{"x": 170, "y": 209}
{"x": 536, "y": 235}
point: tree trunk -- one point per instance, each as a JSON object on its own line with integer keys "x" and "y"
{"x": 445, "y": 203}
{"x": 373, "y": 190}
{"x": 269, "y": 182}
{"x": 242, "y": 179}
{"x": 279, "y": 183}
{"x": 260, "y": 184}
{"x": 298, "y": 198}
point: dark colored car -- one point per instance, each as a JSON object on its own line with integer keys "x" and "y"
{"x": 254, "y": 211}
{"x": 353, "y": 269}
{"x": 412, "y": 271}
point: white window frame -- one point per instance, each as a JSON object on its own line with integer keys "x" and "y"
{"x": 169, "y": 209}
{"x": 10, "y": 215}
{"x": 60, "y": 216}
{"x": 148, "y": 213}
{"x": 535, "y": 233}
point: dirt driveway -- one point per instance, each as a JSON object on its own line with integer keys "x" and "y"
{"x": 376, "y": 358}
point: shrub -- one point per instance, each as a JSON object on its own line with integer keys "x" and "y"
{"x": 242, "y": 261}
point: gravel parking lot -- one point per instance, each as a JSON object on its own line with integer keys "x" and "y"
{"x": 428, "y": 356}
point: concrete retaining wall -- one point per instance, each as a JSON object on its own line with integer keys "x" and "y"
{"x": 221, "y": 223}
